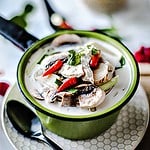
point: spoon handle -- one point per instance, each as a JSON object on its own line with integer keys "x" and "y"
{"x": 48, "y": 141}
{"x": 51, "y": 143}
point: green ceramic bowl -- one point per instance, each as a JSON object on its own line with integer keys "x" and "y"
{"x": 92, "y": 124}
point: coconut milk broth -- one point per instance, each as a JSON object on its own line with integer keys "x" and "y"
{"x": 109, "y": 52}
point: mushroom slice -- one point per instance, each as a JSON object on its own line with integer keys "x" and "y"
{"x": 103, "y": 73}
{"x": 111, "y": 70}
{"x": 66, "y": 38}
{"x": 84, "y": 88}
{"x": 35, "y": 93}
{"x": 92, "y": 99}
{"x": 50, "y": 96}
{"x": 66, "y": 99}
{"x": 39, "y": 94}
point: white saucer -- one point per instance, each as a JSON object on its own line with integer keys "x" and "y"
{"x": 125, "y": 134}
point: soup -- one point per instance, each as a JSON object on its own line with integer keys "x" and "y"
{"x": 76, "y": 75}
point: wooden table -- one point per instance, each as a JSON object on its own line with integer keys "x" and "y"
{"x": 145, "y": 143}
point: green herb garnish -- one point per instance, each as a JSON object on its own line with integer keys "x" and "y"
{"x": 45, "y": 55}
{"x": 94, "y": 51}
{"x": 21, "y": 19}
{"x": 72, "y": 90}
{"x": 122, "y": 63}
{"x": 58, "y": 82}
{"x": 112, "y": 32}
{"x": 74, "y": 58}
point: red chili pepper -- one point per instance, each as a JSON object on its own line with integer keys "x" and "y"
{"x": 94, "y": 61}
{"x": 68, "y": 83}
{"x": 65, "y": 25}
{"x": 3, "y": 88}
{"x": 143, "y": 54}
{"x": 56, "y": 66}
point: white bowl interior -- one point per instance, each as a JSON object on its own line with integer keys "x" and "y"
{"x": 113, "y": 54}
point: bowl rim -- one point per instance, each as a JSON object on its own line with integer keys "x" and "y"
{"x": 124, "y": 100}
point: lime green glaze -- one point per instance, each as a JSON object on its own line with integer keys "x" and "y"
{"x": 120, "y": 46}
{"x": 80, "y": 126}
{"x": 78, "y": 130}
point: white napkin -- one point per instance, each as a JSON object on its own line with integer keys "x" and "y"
{"x": 144, "y": 68}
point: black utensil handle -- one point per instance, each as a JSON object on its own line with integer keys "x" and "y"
{"x": 45, "y": 139}
{"x": 15, "y": 34}
{"x": 52, "y": 144}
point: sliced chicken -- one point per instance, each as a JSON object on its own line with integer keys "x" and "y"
{"x": 71, "y": 71}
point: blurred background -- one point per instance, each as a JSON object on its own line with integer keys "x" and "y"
{"x": 129, "y": 17}
{"x": 127, "y": 20}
